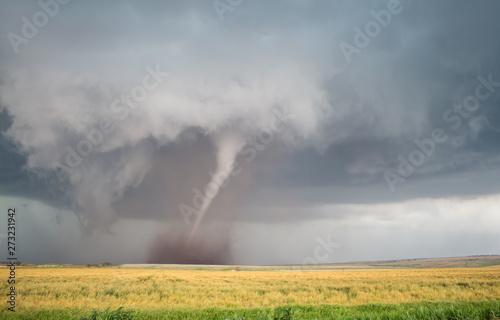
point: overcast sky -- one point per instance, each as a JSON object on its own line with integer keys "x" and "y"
{"x": 356, "y": 130}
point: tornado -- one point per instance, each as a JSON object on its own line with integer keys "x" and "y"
{"x": 228, "y": 146}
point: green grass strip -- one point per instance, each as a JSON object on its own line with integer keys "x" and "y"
{"x": 414, "y": 311}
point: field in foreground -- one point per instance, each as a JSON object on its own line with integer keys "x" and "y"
{"x": 191, "y": 294}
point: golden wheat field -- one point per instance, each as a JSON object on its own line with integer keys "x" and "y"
{"x": 45, "y": 288}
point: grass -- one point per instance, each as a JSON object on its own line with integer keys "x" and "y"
{"x": 411, "y": 311}
{"x": 118, "y": 314}
{"x": 72, "y": 293}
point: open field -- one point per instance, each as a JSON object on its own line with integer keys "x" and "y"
{"x": 425, "y": 263}
{"x": 151, "y": 291}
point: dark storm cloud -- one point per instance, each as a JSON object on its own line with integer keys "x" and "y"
{"x": 16, "y": 180}
{"x": 396, "y": 90}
